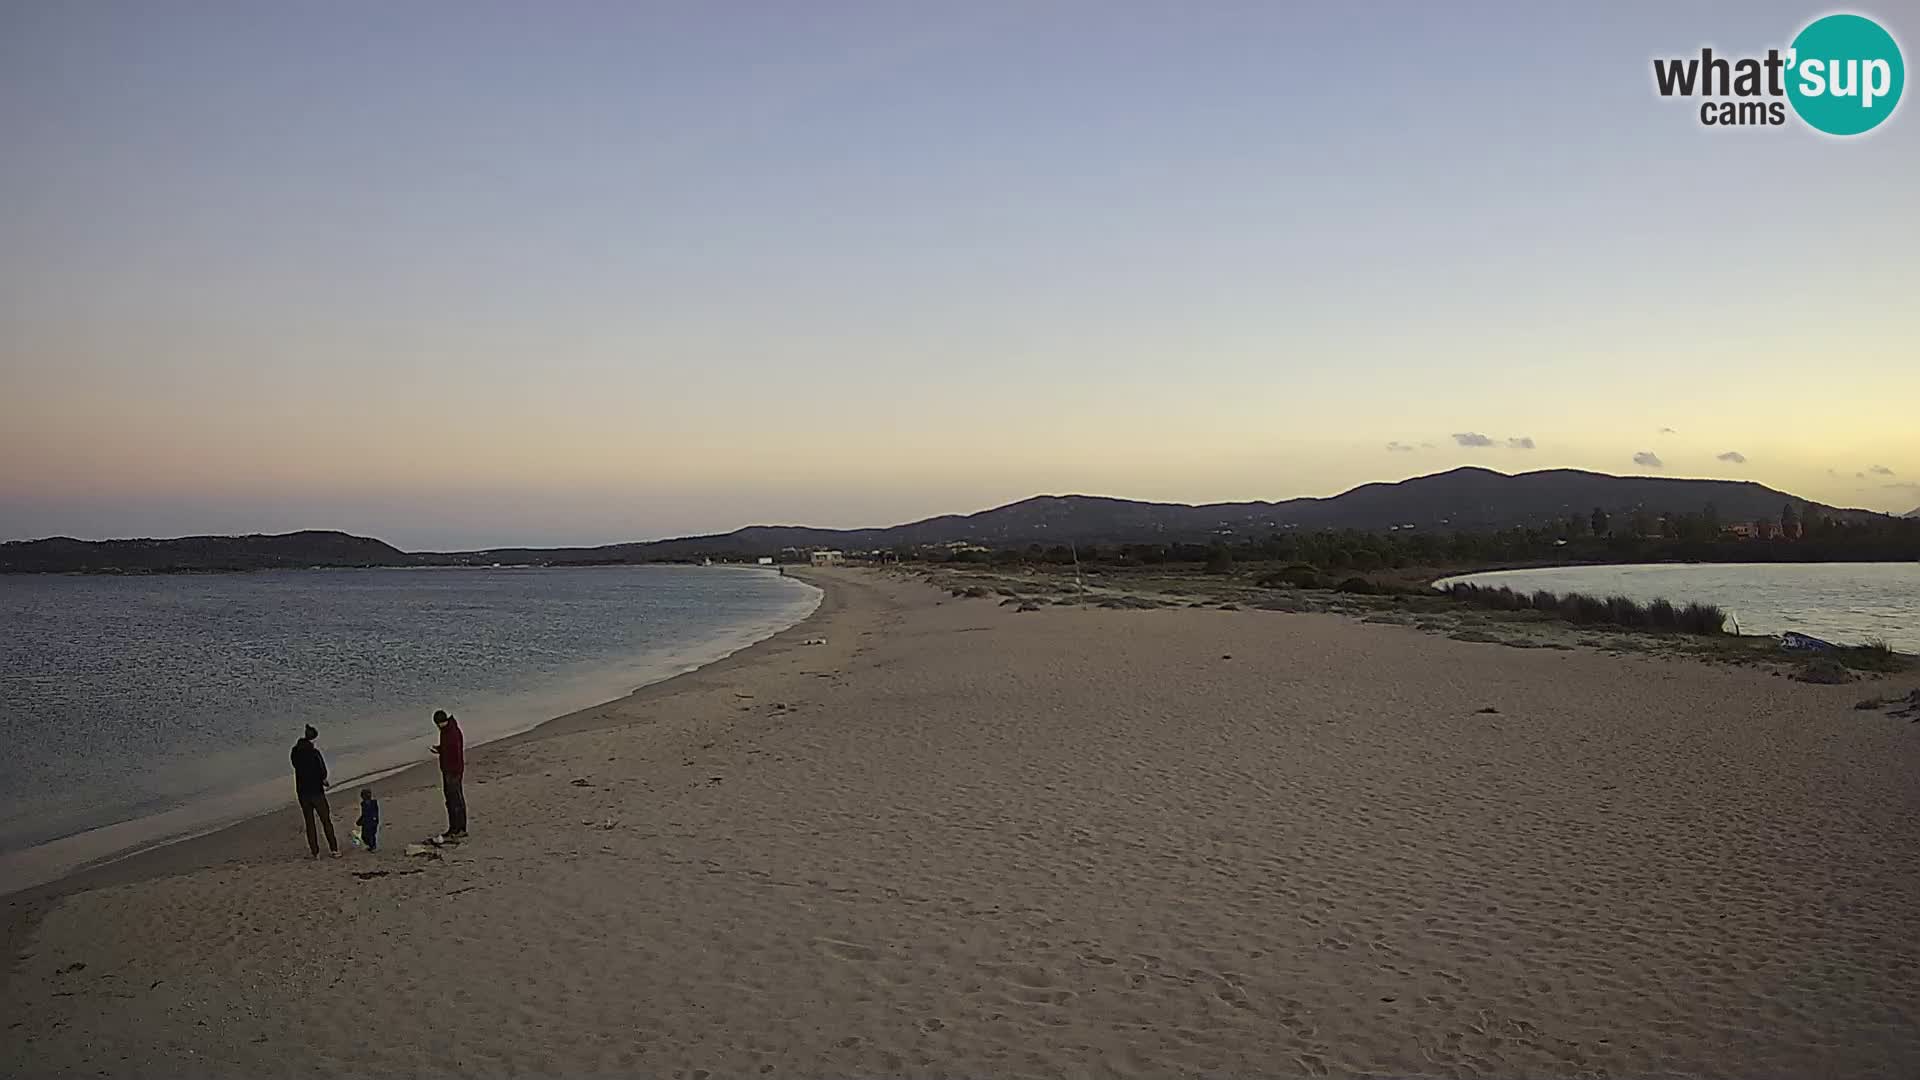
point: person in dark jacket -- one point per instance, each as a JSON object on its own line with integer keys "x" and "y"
{"x": 453, "y": 768}
{"x": 310, "y": 786}
{"x": 369, "y": 819}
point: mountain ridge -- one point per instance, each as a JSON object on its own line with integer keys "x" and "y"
{"x": 1464, "y": 498}
{"x": 1468, "y": 498}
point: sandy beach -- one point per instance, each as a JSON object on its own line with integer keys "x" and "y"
{"x": 959, "y": 839}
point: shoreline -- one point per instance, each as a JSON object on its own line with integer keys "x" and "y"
{"x": 237, "y": 841}
{"x": 1839, "y": 637}
{"x": 368, "y": 735}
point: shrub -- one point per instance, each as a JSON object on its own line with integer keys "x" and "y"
{"x": 1219, "y": 561}
{"x": 977, "y": 591}
{"x": 1662, "y": 616}
{"x": 1499, "y": 598}
{"x": 1875, "y": 655}
{"x": 1584, "y": 609}
{"x": 1358, "y": 585}
{"x": 1622, "y": 611}
{"x": 1298, "y": 576}
{"x": 1699, "y": 618}
{"x": 1589, "y": 610}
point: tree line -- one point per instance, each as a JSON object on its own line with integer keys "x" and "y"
{"x": 1799, "y": 534}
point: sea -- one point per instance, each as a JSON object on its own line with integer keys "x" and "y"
{"x": 139, "y": 709}
{"x": 1845, "y": 603}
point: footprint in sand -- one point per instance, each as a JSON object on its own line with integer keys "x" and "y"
{"x": 1232, "y": 996}
{"x": 1036, "y": 996}
{"x": 1038, "y": 978}
{"x": 847, "y": 950}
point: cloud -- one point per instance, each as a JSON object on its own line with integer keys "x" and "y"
{"x": 1879, "y": 470}
{"x": 1477, "y": 440}
{"x": 1648, "y": 458}
{"x": 1859, "y": 476}
{"x": 1426, "y": 446}
{"x": 1668, "y": 431}
{"x": 1737, "y": 457}
{"x": 1399, "y": 448}
{"x": 1830, "y": 472}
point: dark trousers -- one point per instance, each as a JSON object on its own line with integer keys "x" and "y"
{"x": 317, "y": 804}
{"x": 370, "y": 836}
{"x": 456, "y": 802}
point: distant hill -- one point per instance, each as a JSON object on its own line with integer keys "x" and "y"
{"x": 1466, "y": 499}
{"x": 1913, "y": 513}
{"x": 62, "y": 554}
{"x": 1461, "y": 499}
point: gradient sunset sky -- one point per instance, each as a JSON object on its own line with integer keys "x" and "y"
{"x": 465, "y": 275}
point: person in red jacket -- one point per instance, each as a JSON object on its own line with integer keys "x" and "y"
{"x": 453, "y": 766}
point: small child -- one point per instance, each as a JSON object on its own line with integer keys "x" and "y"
{"x": 369, "y": 820}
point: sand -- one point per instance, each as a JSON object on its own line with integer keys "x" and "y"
{"x": 960, "y": 839}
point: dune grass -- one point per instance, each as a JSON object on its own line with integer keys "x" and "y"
{"x": 1581, "y": 609}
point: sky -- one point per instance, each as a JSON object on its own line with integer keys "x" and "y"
{"x": 466, "y": 275}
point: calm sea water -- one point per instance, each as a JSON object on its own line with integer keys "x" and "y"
{"x": 126, "y": 697}
{"x": 1847, "y": 603}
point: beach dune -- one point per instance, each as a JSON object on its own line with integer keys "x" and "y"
{"x": 959, "y": 839}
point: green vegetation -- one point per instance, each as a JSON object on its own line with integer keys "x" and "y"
{"x": 1873, "y": 656}
{"x": 1298, "y": 576}
{"x": 1799, "y": 534}
{"x": 1590, "y": 610}
{"x": 1538, "y": 619}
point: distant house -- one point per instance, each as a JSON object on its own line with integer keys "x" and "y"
{"x": 1742, "y": 530}
{"x": 827, "y": 558}
{"x": 764, "y": 560}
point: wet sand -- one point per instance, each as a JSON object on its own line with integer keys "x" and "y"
{"x": 959, "y": 839}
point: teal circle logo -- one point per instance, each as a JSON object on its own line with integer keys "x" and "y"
{"x": 1845, "y": 74}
